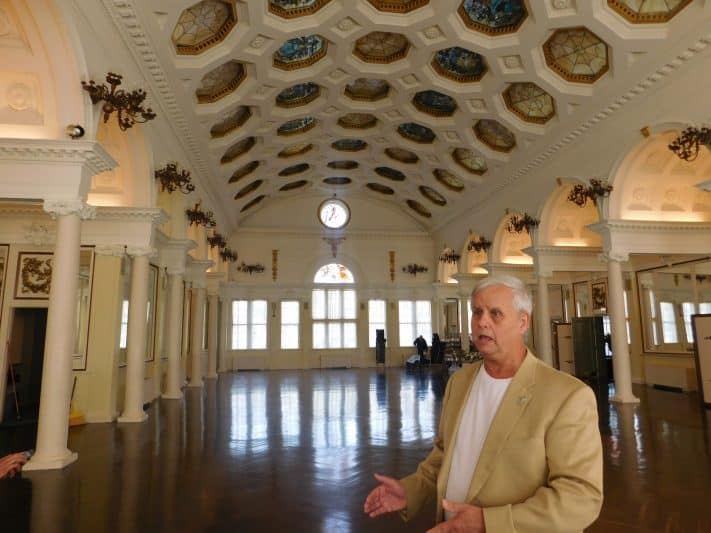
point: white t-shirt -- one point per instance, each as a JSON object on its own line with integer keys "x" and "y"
{"x": 483, "y": 401}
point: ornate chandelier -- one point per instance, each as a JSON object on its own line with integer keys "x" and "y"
{"x": 479, "y": 244}
{"x": 172, "y": 180}
{"x": 580, "y": 193}
{"x": 128, "y": 105}
{"x": 518, "y": 223}
{"x": 686, "y": 145}
{"x": 199, "y": 217}
{"x": 448, "y": 255}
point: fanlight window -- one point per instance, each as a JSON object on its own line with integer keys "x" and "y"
{"x": 333, "y": 273}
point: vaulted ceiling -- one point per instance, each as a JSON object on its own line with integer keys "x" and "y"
{"x": 428, "y": 104}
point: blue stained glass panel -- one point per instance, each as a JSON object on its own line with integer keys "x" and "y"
{"x": 461, "y": 62}
{"x": 416, "y": 132}
{"x": 299, "y": 48}
{"x": 495, "y": 13}
{"x": 300, "y": 91}
{"x": 298, "y": 124}
{"x": 436, "y": 102}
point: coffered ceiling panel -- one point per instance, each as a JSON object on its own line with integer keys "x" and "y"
{"x": 426, "y": 104}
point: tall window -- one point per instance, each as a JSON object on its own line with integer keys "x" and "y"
{"x": 124, "y": 324}
{"x": 249, "y": 324}
{"x": 289, "y": 325}
{"x": 415, "y": 319}
{"x": 334, "y": 313}
{"x": 376, "y": 319}
{"x": 653, "y": 318}
{"x": 669, "y": 333}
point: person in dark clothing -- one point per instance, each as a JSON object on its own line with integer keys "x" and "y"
{"x": 436, "y": 350}
{"x": 421, "y": 345}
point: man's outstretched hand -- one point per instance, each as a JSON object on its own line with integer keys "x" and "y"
{"x": 387, "y": 497}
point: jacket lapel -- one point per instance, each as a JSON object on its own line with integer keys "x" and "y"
{"x": 512, "y": 406}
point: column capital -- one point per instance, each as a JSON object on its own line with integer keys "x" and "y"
{"x": 135, "y": 251}
{"x": 613, "y": 255}
{"x": 199, "y": 284}
{"x": 73, "y": 206}
{"x": 175, "y": 270}
{"x": 114, "y": 250}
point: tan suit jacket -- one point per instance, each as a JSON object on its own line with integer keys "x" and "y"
{"x": 540, "y": 468}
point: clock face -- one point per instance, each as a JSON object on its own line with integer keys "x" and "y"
{"x": 334, "y": 214}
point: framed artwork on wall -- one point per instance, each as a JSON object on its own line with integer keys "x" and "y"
{"x": 599, "y": 297}
{"x": 34, "y": 275}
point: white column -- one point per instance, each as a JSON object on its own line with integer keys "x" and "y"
{"x": 543, "y": 321}
{"x": 185, "y": 332}
{"x": 197, "y": 322}
{"x": 222, "y": 365}
{"x": 55, "y": 396}
{"x": 618, "y": 330}
{"x": 212, "y": 310}
{"x": 173, "y": 335}
{"x": 464, "y": 334}
{"x": 136, "y": 337}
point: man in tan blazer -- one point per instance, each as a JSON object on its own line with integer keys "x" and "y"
{"x": 518, "y": 447}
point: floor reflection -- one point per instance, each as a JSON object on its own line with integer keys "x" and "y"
{"x": 295, "y": 451}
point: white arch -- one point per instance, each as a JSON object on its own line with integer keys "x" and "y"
{"x": 563, "y": 223}
{"x": 507, "y": 247}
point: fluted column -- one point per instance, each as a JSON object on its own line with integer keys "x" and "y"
{"x": 213, "y": 309}
{"x": 136, "y": 337}
{"x": 173, "y": 335}
{"x": 55, "y": 396}
{"x": 222, "y": 365}
{"x": 618, "y": 330}
{"x": 197, "y": 322}
{"x": 543, "y": 321}
{"x": 185, "y": 332}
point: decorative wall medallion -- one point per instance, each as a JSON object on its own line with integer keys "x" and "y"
{"x": 416, "y": 132}
{"x": 576, "y": 54}
{"x": 294, "y": 169}
{"x": 493, "y": 17}
{"x": 346, "y": 24}
{"x": 237, "y": 149}
{"x": 434, "y": 103}
{"x": 529, "y": 102}
{"x": 469, "y": 160}
{"x": 379, "y": 188}
{"x": 337, "y": 180}
{"x": 295, "y": 8}
{"x": 648, "y": 11}
{"x": 343, "y": 165}
{"x": 18, "y": 96}
{"x": 381, "y": 47}
{"x": 220, "y": 82}
{"x": 34, "y": 275}
{"x": 459, "y": 64}
{"x": 243, "y": 171}
{"x": 252, "y": 203}
{"x": 349, "y": 145}
{"x": 513, "y": 62}
{"x": 293, "y": 185}
{"x": 495, "y": 135}
{"x": 368, "y": 89}
{"x": 402, "y": 155}
{"x": 300, "y": 52}
{"x": 203, "y": 25}
{"x": 449, "y": 180}
{"x": 259, "y": 41}
{"x": 244, "y": 191}
{"x": 297, "y": 95}
{"x": 390, "y": 173}
{"x": 233, "y": 121}
{"x": 432, "y": 32}
{"x": 418, "y": 208}
{"x": 357, "y": 121}
{"x": 295, "y": 149}
{"x": 299, "y": 125}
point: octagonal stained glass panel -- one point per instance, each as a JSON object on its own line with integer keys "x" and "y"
{"x": 390, "y": 173}
{"x": 435, "y": 103}
{"x": 381, "y": 47}
{"x": 418, "y": 208}
{"x": 378, "y": 187}
{"x": 493, "y": 17}
{"x": 244, "y": 191}
{"x": 459, "y": 64}
{"x": 237, "y": 149}
{"x": 297, "y": 95}
{"x": 289, "y": 9}
{"x": 576, "y": 54}
{"x": 495, "y": 135}
{"x": 416, "y": 132}
{"x": 233, "y": 121}
{"x": 298, "y": 125}
{"x": 368, "y": 89}
{"x": 343, "y": 165}
{"x": 337, "y": 180}
{"x": 349, "y": 145}
{"x": 398, "y": 6}
{"x": 293, "y": 185}
{"x": 529, "y": 102}
{"x": 432, "y": 195}
{"x": 295, "y": 149}
{"x": 243, "y": 171}
{"x": 357, "y": 120}
{"x": 300, "y": 52}
{"x": 648, "y": 11}
{"x": 220, "y": 82}
{"x": 449, "y": 180}
{"x": 402, "y": 155}
{"x": 203, "y": 25}
{"x": 252, "y": 203}
{"x": 469, "y": 160}
{"x": 294, "y": 169}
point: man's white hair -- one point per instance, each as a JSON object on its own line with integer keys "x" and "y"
{"x": 522, "y": 300}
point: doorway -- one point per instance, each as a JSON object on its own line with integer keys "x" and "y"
{"x": 26, "y": 357}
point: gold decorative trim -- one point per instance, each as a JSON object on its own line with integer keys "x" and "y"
{"x": 199, "y": 48}
{"x": 398, "y": 7}
{"x": 236, "y": 125}
{"x": 576, "y": 78}
{"x": 400, "y": 54}
{"x": 461, "y": 78}
{"x": 645, "y": 18}
{"x": 297, "y": 11}
{"x": 527, "y": 118}
{"x": 300, "y": 101}
{"x": 307, "y": 62}
{"x": 230, "y": 87}
{"x": 488, "y": 30}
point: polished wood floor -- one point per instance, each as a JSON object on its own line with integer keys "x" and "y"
{"x": 295, "y": 451}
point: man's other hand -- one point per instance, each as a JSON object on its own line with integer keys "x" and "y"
{"x": 468, "y": 518}
{"x": 387, "y": 497}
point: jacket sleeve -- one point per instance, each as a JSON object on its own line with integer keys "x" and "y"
{"x": 421, "y": 487}
{"x": 572, "y": 497}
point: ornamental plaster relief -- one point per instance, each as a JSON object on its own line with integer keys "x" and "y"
{"x": 12, "y": 34}
{"x": 21, "y": 99}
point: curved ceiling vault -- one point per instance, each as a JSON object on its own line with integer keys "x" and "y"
{"x": 420, "y": 106}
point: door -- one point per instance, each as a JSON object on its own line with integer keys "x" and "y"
{"x": 566, "y": 358}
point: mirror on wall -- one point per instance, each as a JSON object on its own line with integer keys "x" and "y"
{"x": 668, "y": 297}
{"x": 81, "y": 320}
{"x": 451, "y": 318}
